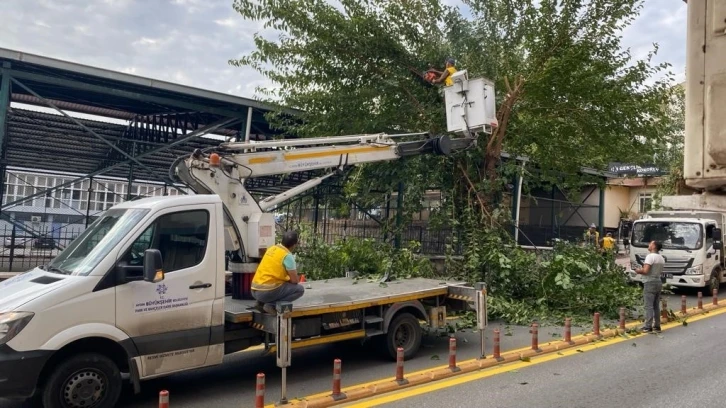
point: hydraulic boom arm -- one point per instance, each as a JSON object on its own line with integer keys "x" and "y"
{"x": 225, "y": 170}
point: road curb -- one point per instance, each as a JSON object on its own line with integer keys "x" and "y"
{"x": 377, "y": 388}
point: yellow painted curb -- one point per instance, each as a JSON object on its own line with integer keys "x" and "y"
{"x": 379, "y": 387}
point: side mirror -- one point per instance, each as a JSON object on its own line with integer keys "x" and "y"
{"x": 717, "y": 243}
{"x": 153, "y": 266}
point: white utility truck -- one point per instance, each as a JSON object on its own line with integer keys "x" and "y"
{"x": 691, "y": 229}
{"x": 692, "y": 259}
{"x": 142, "y": 290}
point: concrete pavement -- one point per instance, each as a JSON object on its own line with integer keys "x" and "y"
{"x": 682, "y": 367}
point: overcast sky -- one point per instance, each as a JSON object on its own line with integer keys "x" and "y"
{"x": 190, "y": 41}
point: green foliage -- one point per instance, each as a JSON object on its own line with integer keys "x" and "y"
{"x": 569, "y": 280}
{"x": 568, "y": 97}
{"x": 370, "y": 258}
{"x": 355, "y": 67}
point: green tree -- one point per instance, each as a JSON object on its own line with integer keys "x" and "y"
{"x": 568, "y": 96}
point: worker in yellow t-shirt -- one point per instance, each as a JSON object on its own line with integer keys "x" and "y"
{"x": 608, "y": 243}
{"x": 445, "y": 75}
{"x": 276, "y": 278}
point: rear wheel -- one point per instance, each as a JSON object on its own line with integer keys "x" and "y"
{"x": 405, "y": 332}
{"x": 88, "y": 380}
{"x": 714, "y": 282}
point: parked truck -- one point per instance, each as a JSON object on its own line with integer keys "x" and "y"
{"x": 691, "y": 247}
{"x": 142, "y": 290}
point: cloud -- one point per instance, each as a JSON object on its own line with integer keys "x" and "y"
{"x": 183, "y": 41}
{"x": 191, "y": 41}
{"x": 663, "y": 23}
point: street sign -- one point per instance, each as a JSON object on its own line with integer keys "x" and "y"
{"x": 626, "y": 169}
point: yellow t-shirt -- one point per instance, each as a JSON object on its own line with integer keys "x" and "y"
{"x": 271, "y": 272}
{"x": 448, "y": 81}
{"x": 592, "y": 238}
{"x": 608, "y": 243}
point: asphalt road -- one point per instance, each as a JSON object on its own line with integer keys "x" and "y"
{"x": 233, "y": 383}
{"x": 682, "y": 367}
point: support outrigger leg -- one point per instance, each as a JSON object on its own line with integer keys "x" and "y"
{"x": 481, "y": 316}
{"x": 284, "y": 344}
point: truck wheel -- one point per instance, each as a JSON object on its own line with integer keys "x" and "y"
{"x": 714, "y": 282}
{"x": 88, "y": 380}
{"x": 404, "y": 331}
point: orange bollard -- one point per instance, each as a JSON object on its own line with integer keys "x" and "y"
{"x": 535, "y": 337}
{"x": 568, "y": 330}
{"x": 337, "y": 395}
{"x": 622, "y": 318}
{"x": 700, "y": 300}
{"x": 399, "y": 367}
{"x": 683, "y": 304}
{"x": 164, "y": 399}
{"x": 302, "y": 279}
{"x": 452, "y": 355}
{"x": 260, "y": 391}
{"x": 715, "y": 297}
{"x": 497, "y": 352}
{"x": 596, "y": 323}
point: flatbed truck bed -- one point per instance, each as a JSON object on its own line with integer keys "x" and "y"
{"x": 344, "y": 294}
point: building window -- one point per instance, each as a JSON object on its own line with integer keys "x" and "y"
{"x": 645, "y": 202}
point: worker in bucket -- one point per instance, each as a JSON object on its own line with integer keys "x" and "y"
{"x": 445, "y": 75}
{"x": 276, "y": 278}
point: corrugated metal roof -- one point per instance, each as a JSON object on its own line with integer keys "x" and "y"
{"x": 52, "y": 142}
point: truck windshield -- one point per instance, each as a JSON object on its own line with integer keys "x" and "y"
{"x": 86, "y": 251}
{"x": 674, "y": 235}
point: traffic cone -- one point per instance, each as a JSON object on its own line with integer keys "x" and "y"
{"x": 302, "y": 278}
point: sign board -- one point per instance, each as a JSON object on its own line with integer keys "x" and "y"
{"x": 625, "y": 169}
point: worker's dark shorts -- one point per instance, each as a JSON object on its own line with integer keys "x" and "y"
{"x": 285, "y": 293}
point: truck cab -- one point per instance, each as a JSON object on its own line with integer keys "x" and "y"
{"x": 691, "y": 247}
{"x": 93, "y": 312}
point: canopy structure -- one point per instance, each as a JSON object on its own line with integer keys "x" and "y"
{"x": 59, "y": 117}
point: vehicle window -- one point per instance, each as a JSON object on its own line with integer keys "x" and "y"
{"x": 709, "y": 236}
{"x": 86, "y": 251}
{"x": 180, "y": 237}
{"x": 680, "y": 235}
{"x": 135, "y": 255}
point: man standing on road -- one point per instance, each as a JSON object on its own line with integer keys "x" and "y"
{"x": 276, "y": 278}
{"x": 652, "y": 269}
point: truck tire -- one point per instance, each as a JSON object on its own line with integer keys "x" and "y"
{"x": 714, "y": 282}
{"x": 404, "y": 331}
{"x": 88, "y": 380}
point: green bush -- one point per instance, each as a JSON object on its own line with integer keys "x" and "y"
{"x": 569, "y": 280}
{"x": 319, "y": 260}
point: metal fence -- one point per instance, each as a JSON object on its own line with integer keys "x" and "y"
{"x": 428, "y": 240}
{"x": 543, "y": 219}
{"x": 34, "y": 230}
